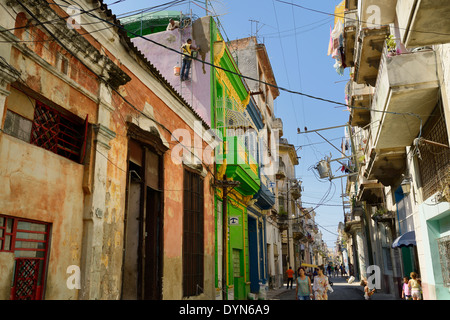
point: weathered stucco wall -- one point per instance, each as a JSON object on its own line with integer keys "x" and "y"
{"x": 7, "y": 267}
{"x": 43, "y": 186}
{"x": 40, "y": 185}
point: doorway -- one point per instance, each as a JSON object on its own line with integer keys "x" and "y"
{"x": 253, "y": 251}
{"x": 143, "y": 257}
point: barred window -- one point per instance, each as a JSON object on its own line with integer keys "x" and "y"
{"x": 35, "y": 122}
{"x": 444, "y": 254}
{"x": 193, "y": 237}
{"x": 435, "y": 161}
{"x": 58, "y": 133}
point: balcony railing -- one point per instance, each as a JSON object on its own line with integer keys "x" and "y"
{"x": 350, "y": 29}
{"x": 265, "y": 199}
{"x": 241, "y": 165}
{"x": 407, "y": 86}
{"x": 351, "y": 221}
{"x": 368, "y": 54}
{"x": 360, "y": 97}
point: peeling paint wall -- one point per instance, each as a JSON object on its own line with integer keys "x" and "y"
{"x": 44, "y": 186}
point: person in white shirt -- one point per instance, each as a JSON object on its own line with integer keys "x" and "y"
{"x": 173, "y": 25}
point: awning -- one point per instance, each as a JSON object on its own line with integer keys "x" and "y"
{"x": 405, "y": 240}
{"x": 309, "y": 265}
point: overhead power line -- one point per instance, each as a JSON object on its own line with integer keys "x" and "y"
{"x": 250, "y": 78}
{"x": 348, "y": 18}
{"x": 115, "y": 90}
{"x": 226, "y": 70}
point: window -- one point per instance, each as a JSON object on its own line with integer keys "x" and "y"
{"x": 17, "y": 126}
{"x": 28, "y": 240}
{"x": 435, "y": 161}
{"x": 25, "y": 238}
{"x": 37, "y": 123}
{"x": 63, "y": 64}
{"x": 444, "y": 254}
{"x": 58, "y": 133}
{"x": 193, "y": 237}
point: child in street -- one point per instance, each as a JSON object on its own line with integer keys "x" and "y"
{"x": 406, "y": 292}
{"x": 367, "y": 292}
{"x": 414, "y": 286}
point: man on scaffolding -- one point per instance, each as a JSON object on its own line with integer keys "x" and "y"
{"x": 187, "y": 50}
{"x": 173, "y": 24}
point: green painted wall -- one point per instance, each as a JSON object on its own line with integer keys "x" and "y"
{"x": 232, "y": 88}
{"x": 437, "y": 229}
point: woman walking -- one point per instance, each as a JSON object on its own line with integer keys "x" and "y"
{"x": 320, "y": 285}
{"x": 303, "y": 289}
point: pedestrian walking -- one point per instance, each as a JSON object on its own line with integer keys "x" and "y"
{"x": 414, "y": 286}
{"x": 303, "y": 289}
{"x": 290, "y": 274}
{"x": 321, "y": 285}
{"x": 329, "y": 270}
{"x": 367, "y": 292}
{"x": 406, "y": 291}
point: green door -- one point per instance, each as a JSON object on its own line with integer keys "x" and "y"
{"x": 238, "y": 275}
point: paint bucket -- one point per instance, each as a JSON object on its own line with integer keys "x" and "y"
{"x": 176, "y": 70}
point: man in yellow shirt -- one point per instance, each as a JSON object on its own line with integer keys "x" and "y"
{"x": 187, "y": 49}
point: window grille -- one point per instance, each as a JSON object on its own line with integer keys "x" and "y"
{"x": 28, "y": 240}
{"x": 26, "y": 279}
{"x": 435, "y": 161}
{"x": 58, "y": 133}
{"x": 193, "y": 234}
{"x": 444, "y": 254}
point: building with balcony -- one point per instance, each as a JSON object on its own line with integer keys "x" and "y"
{"x": 240, "y": 113}
{"x": 252, "y": 60}
{"x": 399, "y": 108}
{"x": 287, "y": 186}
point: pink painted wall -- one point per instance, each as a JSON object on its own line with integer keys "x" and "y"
{"x": 197, "y": 91}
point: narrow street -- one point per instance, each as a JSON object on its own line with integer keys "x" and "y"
{"x": 341, "y": 291}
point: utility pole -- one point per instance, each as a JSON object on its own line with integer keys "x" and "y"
{"x": 225, "y": 184}
{"x": 288, "y": 226}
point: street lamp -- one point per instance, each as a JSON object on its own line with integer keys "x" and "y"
{"x": 406, "y": 185}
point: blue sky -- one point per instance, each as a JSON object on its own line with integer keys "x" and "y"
{"x": 297, "y": 42}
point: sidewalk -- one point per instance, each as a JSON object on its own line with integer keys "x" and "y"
{"x": 274, "y": 293}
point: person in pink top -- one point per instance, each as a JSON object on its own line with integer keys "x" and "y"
{"x": 406, "y": 291}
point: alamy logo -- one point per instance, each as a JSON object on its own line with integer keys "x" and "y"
{"x": 373, "y": 16}
{"x": 374, "y": 277}
{"x": 74, "y": 19}
{"x": 74, "y": 280}
{"x": 238, "y": 147}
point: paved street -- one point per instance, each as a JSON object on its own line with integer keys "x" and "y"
{"x": 342, "y": 291}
